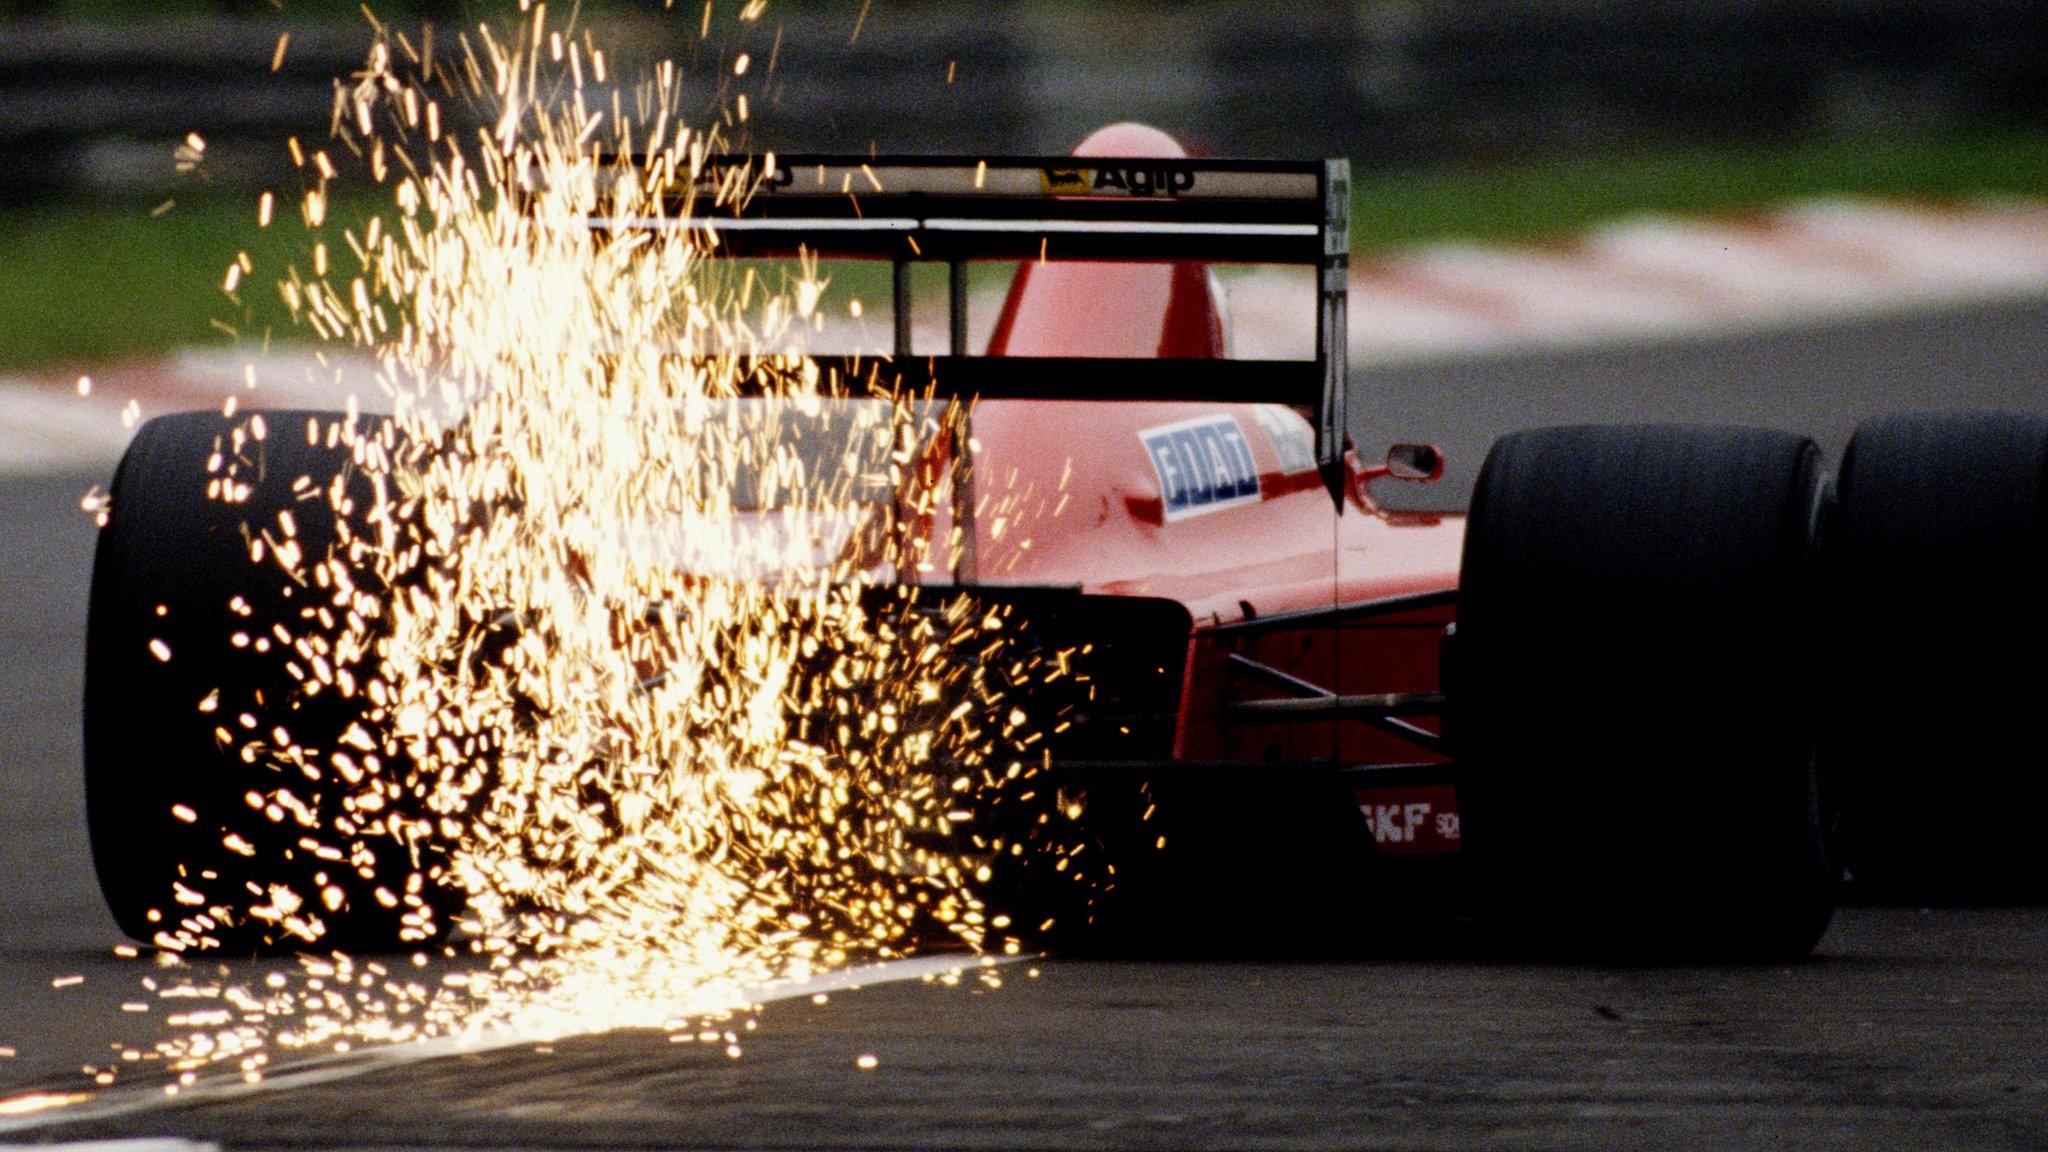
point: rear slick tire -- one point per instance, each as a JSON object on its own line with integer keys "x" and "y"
{"x": 1632, "y": 693}
{"x": 1938, "y": 563}
{"x": 173, "y": 584}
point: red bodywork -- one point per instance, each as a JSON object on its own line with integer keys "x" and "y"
{"x": 1089, "y": 512}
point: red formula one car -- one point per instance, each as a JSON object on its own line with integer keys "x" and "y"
{"x": 1585, "y": 715}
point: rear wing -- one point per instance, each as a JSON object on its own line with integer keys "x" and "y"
{"x": 952, "y": 210}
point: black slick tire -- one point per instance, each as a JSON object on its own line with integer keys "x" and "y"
{"x": 173, "y": 586}
{"x": 1938, "y": 562}
{"x": 1632, "y": 695}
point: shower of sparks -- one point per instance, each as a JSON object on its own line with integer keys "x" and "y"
{"x": 35, "y": 1102}
{"x": 612, "y": 690}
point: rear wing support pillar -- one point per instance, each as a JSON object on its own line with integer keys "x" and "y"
{"x": 965, "y": 555}
{"x": 900, "y": 308}
{"x": 1333, "y": 276}
{"x": 956, "y": 308}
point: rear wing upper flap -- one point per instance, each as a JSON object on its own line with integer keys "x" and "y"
{"x": 1052, "y": 207}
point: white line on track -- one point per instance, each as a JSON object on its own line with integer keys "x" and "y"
{"x": 325, "y": 1069}
{"x": 138, "y": 1144}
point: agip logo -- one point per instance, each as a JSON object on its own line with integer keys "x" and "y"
{"x": 1067, "y": 181}
{"x": 1119, "y": 180}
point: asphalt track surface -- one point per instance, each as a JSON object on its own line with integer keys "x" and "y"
{"x": 1909, "y": 1028}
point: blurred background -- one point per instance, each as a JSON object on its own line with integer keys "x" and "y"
{"x": 1481, "y": 119}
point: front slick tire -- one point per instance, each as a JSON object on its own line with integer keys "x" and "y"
{"x": 1632, "y": 695}
{"x": 173, "y": 586}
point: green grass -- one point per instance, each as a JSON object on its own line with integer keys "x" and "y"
{"x": 150, "y": 11}
{"x": 81, "y": 283}
{"x": 1541, "y": 201}
{"x": 350, "y": 11}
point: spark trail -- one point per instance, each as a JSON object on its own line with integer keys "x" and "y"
{"x": 616, "y": 691}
